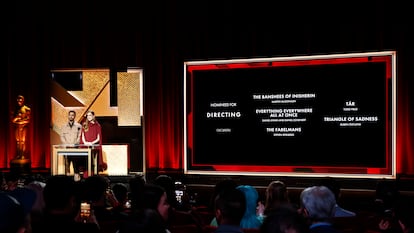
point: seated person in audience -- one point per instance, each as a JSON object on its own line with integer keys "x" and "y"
{"x": 136, "y": 188}
{"x": 220, "y": 186}
{"x": 404, "y": 216}
{"x": 61, "y": 196}
{"x": 146, "y": 221}
{"x": 120, "y": 192}
{"x": 335, "y": 187}
{"x": 177, "y": 216}
{"x": 39, "y": 204}
{"x": 26, "y": 198}
{"x": 168, "y": 183}
{"x": 11, "y": 180}
{"x": 230, "y": 206}
{"x": 284, "y": 219}
{"x": 398, "y": 219}
{"x": 153, "y": 216}
{"x": 15, "y": 208}
{"x": 96, "y": 189}
{"x": 276, "y": 195}
{"x": 317, "y": 205}
{"x": 12, "y": 218}
{"x": 386, "y": 195}
{"x": 250, "y": 218}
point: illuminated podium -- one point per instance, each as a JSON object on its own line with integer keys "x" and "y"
{"x": 62, "y": 151}
{"x": 115, "y": 155}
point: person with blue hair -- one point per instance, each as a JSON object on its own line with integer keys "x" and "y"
{"x": 250, "y": 218}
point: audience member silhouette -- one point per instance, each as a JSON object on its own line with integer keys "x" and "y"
{"x": 153, "y": 216}
{"x": 276, "y": 195}
{"x": 230, "y": 206}
{"x": 136, "y": 191}
{"x": 250, "y": 218}
{"x": 26, "y": 198}
{"x": 335, "y": 187}
{"x": 11, "y": 180}
{"x": 167, "y": 182}
{"x": 177, "y": 216}
{"x": 284, "y": 219}
{"x": 39, "y": 204}
{"x": 61, "y": 195}
{"x": 386, "y": 195}
{"x": 15, "y": 209}
{"x": 404, "y": 216}
{"x": 399, "y": 218}
{"x": 120, "y": 191}
{"x": 221, "y": 186}
{"x": 12, "y": 217}
{"x": 96, "y": 190}
{"x": 317, "y": 205}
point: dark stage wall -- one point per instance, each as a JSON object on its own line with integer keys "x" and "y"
{"x": 159, "y": 37}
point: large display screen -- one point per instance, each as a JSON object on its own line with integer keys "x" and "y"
{"x": 325, "y": 115}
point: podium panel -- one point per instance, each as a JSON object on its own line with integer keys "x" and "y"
{"x": 59, "y": 153}
{"x": 116, "y": 156}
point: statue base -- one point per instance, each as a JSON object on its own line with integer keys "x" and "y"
{"x": 20, "y": 166}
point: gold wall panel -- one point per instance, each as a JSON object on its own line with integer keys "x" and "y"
{"x": 93, "y": 84}
{"x": 129, "y": 99}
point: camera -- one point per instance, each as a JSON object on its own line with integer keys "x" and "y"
{"x": 388, "y": 214}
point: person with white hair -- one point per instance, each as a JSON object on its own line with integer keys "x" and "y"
{"x": 318, "y": 205}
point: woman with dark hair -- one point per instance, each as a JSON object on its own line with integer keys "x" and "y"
{"x": 276, "y": 195}
{"x": 156, "y": 198}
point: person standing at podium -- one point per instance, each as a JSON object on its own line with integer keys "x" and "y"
{"x": 91, "y": 135}
{"x": 70, "y": 137}
{"x": 21, "y": 120}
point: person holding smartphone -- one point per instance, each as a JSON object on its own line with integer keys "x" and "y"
{"x": 62, "y": 212}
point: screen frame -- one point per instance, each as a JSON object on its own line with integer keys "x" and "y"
{"x": 388, "y": 172}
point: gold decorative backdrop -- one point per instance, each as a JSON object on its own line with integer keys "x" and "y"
{"x": 95, "y": 95}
